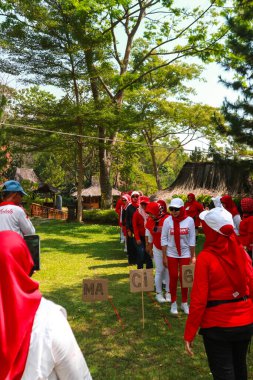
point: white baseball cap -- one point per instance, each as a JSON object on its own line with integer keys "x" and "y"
{"x": 176, "y": 202}
{"x": 217, "y": 218}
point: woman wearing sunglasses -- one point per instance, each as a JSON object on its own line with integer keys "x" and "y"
{"x": 178, "y": 246}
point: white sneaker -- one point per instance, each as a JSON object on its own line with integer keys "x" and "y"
{"x": 173, "y": 308}
{"x": 168, "y": 297}
{"x": 185, "y": 307}
{"x": 159, "y": 297}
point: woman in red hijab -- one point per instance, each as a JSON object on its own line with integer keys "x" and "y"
{"x": 178, "y": 246}
{"x": 35, "y": 338}
{"x": 193, "y": 209}
{"x": 222, "y": 298}
{"x": 228, "y": 203}
{"x": 246, "y": 225}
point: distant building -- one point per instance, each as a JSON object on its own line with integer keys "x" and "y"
{"x": 91, "y": 196}
{"x": 211, "y": 178}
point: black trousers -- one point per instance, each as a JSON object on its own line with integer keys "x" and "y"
{"x": 142, "y": 256}
{"x": 227, "y": 359}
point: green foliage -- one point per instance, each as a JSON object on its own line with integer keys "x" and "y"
{"x": 239, "y": 60}
{"x": 100, "y": 217}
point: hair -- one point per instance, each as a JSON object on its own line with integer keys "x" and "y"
{"x": 7, "y": 194}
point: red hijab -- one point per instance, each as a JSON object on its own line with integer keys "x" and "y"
{"x": 230, "y": 253}
{"x": 19, "y": 301}
{"x": 229, "y": 204}
{"x": 176, "y": 220}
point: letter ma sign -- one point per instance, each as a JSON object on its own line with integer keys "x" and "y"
{"x": 95, "y": 290}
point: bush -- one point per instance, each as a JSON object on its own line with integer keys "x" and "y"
{"x": 100, "y": 217}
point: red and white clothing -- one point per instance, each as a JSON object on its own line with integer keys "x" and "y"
{"x": 230, "y": 206}
{"x": 54, "y": 353}
{"x": 246, "y": 232}
{"x": 212, "y": 283}
{"x": 36, "y": 342}
{"x": 153, "y": 232}
{"x": 193, "y": 209}
{"x": 187, "y": 237}
{"x": 14, "y": 218}
{"x": 178, "y": 243}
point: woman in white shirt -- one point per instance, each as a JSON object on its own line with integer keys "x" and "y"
{"x": 36, "y": 341}
{"x": 178, "y": 246}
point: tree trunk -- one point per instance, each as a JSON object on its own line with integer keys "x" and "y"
{"x": 105, "y": 166}
{"x": 79, "y": 216}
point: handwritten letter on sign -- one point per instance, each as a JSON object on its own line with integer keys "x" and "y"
{"x": 141, "y": 280}
{"x": 188, "y": 275}
{"x": 95, "y": 290}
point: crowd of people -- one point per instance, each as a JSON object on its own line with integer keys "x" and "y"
{"x": 221, "y": 305}
{"x": 36, "y": 339}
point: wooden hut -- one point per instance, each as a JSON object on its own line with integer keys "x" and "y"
{"x": 211, "y": 178}
{"x": 91, "y": 196}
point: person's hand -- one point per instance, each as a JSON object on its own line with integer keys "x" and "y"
{"x": 188, "y": 347}
{"x": 165, "y": 261}
{"x": 138, "y": 242}
{"x": 193, "y": 260}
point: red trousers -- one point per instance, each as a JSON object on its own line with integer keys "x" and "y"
{"x": 175, "y": 268}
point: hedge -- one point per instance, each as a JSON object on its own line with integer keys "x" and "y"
{"x": 100, "y": 217}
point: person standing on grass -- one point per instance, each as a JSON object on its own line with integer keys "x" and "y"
{"x": 131, "y": 209}
{"x": 222, "y": 298}
{"x": 178, "y": 246}
{"x": 193, "y": 209}
{"x": 118, "y": 210}
{"x": 12, "y": 215}
{"x": 126, "y": 200}
{"x": 157, "y": 216}
{"x": 139, "y": 221}
{"x": 228, "y": 203}
{"x": 36, "y": 341}
{"x": 246, "y": 225}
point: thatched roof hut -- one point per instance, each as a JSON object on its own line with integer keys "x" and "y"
{"x": 92, "y": 196}
{"x": 211, "y": 178}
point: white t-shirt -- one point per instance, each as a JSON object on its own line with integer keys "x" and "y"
{"x": 54, "y": 353}
{"x": 14, "y": 218}
{"x": 187, "y": 237}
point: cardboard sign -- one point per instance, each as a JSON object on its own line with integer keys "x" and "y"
{"x": 141, "y": 280}
{"x": 95, "y": 290}
{"x": 188, "y": 275}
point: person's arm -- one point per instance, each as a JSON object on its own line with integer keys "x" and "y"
{"x": 69, "y": 361}
{"x": 164, "y": 241}
{"x": 136, "y": 215}
{"x": 192, "y": 240}
{"x": 25, "y": 224}
{"x": 237, "y": 220}
{"x": 199, "y": 296}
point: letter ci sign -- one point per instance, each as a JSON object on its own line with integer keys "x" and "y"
{"x": 95, "y": 290}
{"x": 141, "y": 280}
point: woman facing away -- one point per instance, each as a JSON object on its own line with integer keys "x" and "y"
{"x": 222, "y": 298}
{"x": 228, "y": 203}
{"x": 178, "y": 247}
{"x": 36, "y": 341}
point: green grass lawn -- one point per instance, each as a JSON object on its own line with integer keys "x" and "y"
{"x": 71, "y": 252}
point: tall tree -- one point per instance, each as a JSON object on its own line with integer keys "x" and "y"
{"x": 75, "y": 44}
{"x": 239, "y": 60}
